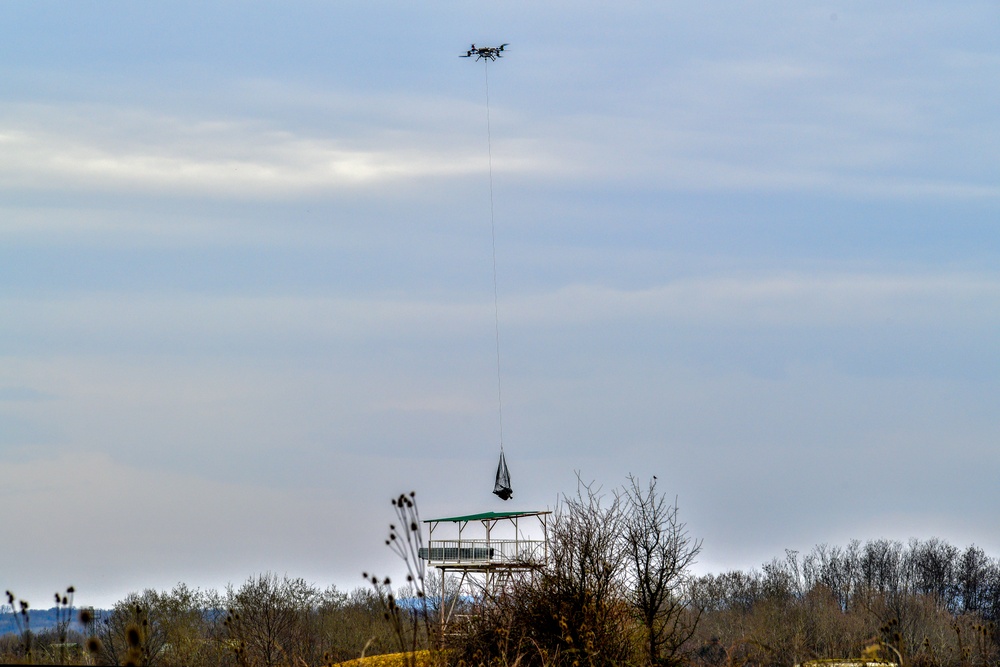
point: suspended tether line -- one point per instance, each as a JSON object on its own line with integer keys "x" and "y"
{"x": 501, "y": 486}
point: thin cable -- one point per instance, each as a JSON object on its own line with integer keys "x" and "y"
{"x": 493, "y": 234}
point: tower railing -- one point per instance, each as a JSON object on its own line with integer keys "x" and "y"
{"x": 516, "y": 552}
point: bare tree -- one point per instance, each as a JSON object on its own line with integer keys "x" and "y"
{"x": 973, "y": 577}
{"x": 659, "y": 552}
{"x": 586, "y": 544}
{"x": 267, "y": 620}
{"x": 131, "y": 634}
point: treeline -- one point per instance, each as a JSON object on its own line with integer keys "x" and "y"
{"x": 920, "y": 603}
{"x": 617, "y": 590}
{"x": 268, "y": 621}
{"x": 612, "y": 594}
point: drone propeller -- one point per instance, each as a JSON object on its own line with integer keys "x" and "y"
{"x": 485, "y": 52}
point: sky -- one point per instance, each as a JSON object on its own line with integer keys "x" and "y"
{"x": 246, "y": 276}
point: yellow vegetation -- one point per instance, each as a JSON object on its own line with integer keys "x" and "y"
{"x": 423, "y": 659}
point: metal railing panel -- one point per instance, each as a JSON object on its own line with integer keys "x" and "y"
{"x": 528, "y": 552}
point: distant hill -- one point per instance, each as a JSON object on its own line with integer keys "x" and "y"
{"x": 41, "y": 620}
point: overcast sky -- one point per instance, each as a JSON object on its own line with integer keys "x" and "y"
{"x": 246, "y": 288}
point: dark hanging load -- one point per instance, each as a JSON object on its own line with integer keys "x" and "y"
{"x": 502, "y": 485}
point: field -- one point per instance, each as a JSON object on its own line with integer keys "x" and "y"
{"x": 389, "y": 660}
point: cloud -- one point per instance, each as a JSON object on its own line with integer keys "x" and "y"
{"x": 790, "y": 121}
{"x": 220, "y": 160}
{"x": 100, "y": 148}
{"x": 761, "y": 123}
{"x": 163, "y": 321}
{"x": 812, "y": 300}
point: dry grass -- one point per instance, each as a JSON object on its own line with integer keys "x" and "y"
{"x": 422, "y": 659}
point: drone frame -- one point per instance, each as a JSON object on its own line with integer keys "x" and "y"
{"x": 485, "y": 52}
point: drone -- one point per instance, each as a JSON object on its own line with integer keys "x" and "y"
{"x": 484, "y": 52}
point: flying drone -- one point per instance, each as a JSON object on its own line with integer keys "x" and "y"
{"x": 502, "y": 486}
{"x": 481, "y": 52}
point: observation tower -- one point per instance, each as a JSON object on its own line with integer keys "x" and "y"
{"x": 486, "y": 551}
